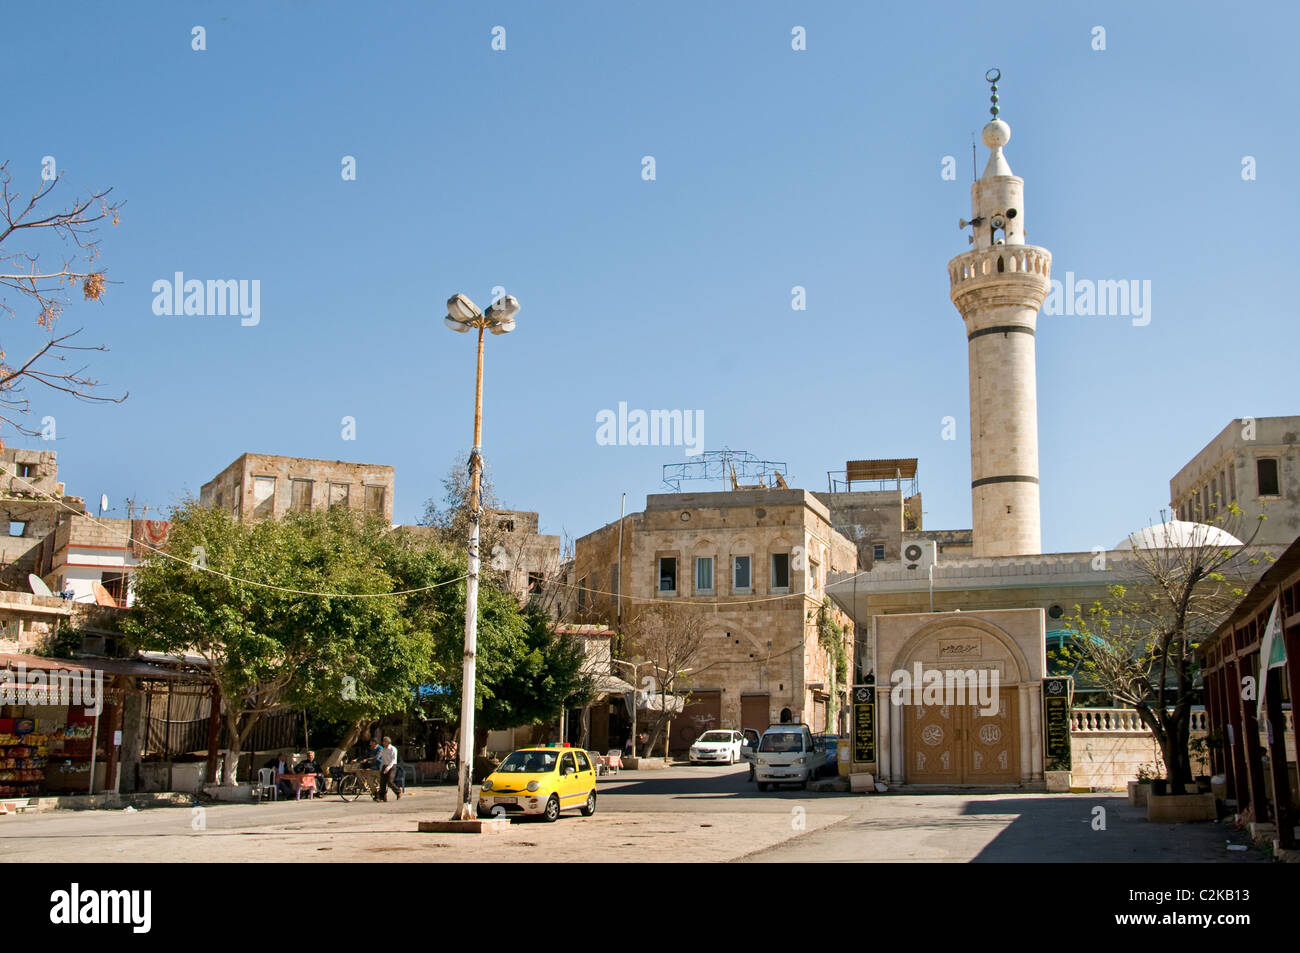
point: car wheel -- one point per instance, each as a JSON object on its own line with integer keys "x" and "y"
{"x": 552, "y": 812}
{"x": 589, "y": 808}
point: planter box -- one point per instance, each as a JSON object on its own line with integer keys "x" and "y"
{"x": 1181, "y": 808}
{"x": 1138, "y": 793}
{"x": 644, "y": 764}
{"x": 1058, "y": 782}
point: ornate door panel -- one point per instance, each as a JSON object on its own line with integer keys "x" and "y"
{"x": 960, "y": 745}
{"x": 932, "y": 755}
{"x": 991, "y": 743}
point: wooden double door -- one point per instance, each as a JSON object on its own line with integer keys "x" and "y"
{"x": 959, "y": 744}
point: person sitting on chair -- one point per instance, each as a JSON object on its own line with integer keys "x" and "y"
{"x": 309, "y": 766}
{"x": 283, "y": 766}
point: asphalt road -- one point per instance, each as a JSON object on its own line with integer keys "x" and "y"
{"x": 681, "y": 814}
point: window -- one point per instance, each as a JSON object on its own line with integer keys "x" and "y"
{"x": 877, "y": 551}
{"x": 1266, "y": 472}
{"x": 667, "y": 574}
{"x": 583, "y": 763}
{"x": 263, "y": 496}
{"x": 340, "y": 495}
{"x": 582, "y": 593}
{"x": 740, "y": 573}
{"x": 220, "y": 499}
{"x": 27, "y": 470}
{"x": 1232, "y": 483}
{"x": 814, "y": 576}
{"x": 566, "y": 763}
{"x": 17, "y": 528}
{"x": 780, "y": 571}
{"x": 300, "y": 496}
{"x": 703, "y": 573}
{"x": 506, "y": 524}
{"x": 535, "y": 580}
{"x": 375, "y": 500}
{"x": 114, "y": 584}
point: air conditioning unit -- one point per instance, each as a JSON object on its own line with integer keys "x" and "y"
{"x": 920, "y": 555}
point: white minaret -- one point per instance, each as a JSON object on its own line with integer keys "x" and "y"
{"x": 998, "y": 287}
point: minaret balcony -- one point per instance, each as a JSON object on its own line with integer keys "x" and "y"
{"x": 1000, "y": 275}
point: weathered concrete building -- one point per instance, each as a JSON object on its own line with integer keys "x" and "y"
{"x": 85, "y": 552}
{"x": 32, "y": 504}
{"x": 259, "y": 485}
{"x": 530, "y": 559}
{"x": 1253, "y": 462}
{"x": 755, "y": 563}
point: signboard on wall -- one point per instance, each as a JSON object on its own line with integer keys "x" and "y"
{"x": 1056, "y": 718}
{"x": 864, "y": 724}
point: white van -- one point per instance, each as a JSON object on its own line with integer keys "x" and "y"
{"x": 786, "y": 755}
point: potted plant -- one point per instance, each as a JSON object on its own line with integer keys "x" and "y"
{"x": 1140, "y": 790}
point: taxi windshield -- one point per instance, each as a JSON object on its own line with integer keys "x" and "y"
{"x": 529, "y": 762}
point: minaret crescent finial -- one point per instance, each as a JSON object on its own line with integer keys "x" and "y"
{"x": 992, "y": 77}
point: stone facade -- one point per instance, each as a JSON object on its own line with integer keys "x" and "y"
{"x": 959, "y": 744}
{"x": 32, "y": 504}
{"x": 760, "y": 657}
{"x": 530, "y": 559}
{"x": 998, "y": 287}
{"x": 1254, "y": 463}
{"x": 29, "y": 621}
{"x": 258, "y": 485}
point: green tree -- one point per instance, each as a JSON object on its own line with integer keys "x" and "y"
{"x": 269, "y": 645}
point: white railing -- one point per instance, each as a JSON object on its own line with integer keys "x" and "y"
{"x": 1093, "y": 721}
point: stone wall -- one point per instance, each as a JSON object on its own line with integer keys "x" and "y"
{"x": 237, "y": 488}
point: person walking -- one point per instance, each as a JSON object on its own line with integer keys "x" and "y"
{"x": 388, "y": 770}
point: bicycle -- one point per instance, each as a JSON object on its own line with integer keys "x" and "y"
{"x": 351, "y": 781}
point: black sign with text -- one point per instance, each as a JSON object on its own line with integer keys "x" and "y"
{"x": 1056, "y": 719}
{"x": 864, "y": 724}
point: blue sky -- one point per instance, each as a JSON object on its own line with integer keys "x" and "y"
{"x": 774, "y": 168}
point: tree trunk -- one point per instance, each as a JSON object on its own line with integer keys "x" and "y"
{"x": 231, "y": 765}
{"x": 338, "y": 755}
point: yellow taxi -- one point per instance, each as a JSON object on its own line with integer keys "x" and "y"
{"x": 544, "y": 781}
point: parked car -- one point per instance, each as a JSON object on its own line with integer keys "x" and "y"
{"x": 541, "y": 781}
{"x": 787, "y": 754}
{"x": 829, "y": 747}
{"x": 717, "y": 746}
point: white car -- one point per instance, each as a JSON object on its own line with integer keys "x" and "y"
{"x": 787, "y": 754}
{"x": 720, "y": 746}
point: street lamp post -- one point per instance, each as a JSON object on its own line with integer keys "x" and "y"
{"x": 463, "y": 314}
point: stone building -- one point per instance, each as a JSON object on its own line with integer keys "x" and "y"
{"x": 531, "y": 560}
{"x": 259, "y": 485}
{"x": 1253, "y": 462}
{"x": 884, "y": 516}
{"x": 32, "y": 505}
{"x": 29, "y": 622}
{"x": 755, "y": 563}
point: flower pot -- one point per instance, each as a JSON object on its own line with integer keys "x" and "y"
{"x": 1137, "y": 793}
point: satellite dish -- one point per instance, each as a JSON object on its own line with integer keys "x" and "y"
{"x": 102, "y": 596}
{"x": 103, "y": 502}
{"x": 38, "y": 585}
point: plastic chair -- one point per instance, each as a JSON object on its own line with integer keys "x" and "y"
{"x": 266, "y": 781}
{"x": 614, "y": 759}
